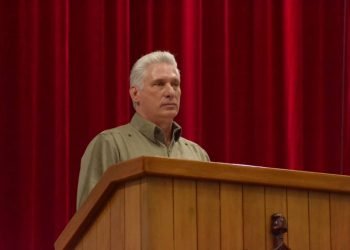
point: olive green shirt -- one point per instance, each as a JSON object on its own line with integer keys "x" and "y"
{"x": 137, "y": 138}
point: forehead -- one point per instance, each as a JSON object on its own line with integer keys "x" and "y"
{"x": 161, "y": 70}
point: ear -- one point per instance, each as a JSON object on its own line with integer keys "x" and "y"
{"x": 134, "y": 94}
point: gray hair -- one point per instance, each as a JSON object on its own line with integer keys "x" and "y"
{"x": 140, "y": 66}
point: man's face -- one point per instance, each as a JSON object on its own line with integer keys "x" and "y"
{"x": 159, "y": 99}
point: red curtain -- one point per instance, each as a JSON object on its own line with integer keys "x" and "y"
{"x": 264, "y": 83}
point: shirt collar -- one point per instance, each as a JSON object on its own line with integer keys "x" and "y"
{"x": 152, "y": 131}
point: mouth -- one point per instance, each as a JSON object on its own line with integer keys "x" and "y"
{"x": 169, "y": 105}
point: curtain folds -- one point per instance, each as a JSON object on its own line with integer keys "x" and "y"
{"x": 263, "y": 83}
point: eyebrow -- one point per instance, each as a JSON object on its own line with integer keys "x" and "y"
{"x": 171, "y": 79}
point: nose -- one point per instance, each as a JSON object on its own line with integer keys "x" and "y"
{"x": 169, "y": 90}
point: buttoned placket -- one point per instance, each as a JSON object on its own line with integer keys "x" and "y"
{"x": 168, "y": 149}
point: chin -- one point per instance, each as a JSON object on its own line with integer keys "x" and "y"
{"x": 171, "y": 114}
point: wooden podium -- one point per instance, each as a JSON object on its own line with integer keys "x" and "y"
{"x": 152, "y": 203}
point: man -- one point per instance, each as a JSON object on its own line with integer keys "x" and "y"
{"x": 155, "y": 92}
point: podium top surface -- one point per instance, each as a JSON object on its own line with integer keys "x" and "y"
{"x": 215, "y": 171}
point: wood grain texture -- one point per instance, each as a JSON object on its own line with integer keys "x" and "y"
{"x": 97, "y": 198}
{"x": 79, "y": 246}
{"x": 340, "y": 221}
{"x": 185, "y": 215}
{"x": 320, "y": 235}
{"x": 254, "y": 217}
{"x": 103, "y": 229}
{"x": 157, "y": 213}
{"x": 143, "y": 166}
{"x": 247, "y": 174}
{"x": 117, "y": 205}
{"x": 90, "y": 238}
{"x": 298, "y": 219}
{"x": 298, "y": 183}
{"x": 231, "y": 205}
{"x": 133, "y": 215}
{"x": 208, "y": 214}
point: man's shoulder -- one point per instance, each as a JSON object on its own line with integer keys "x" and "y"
{"x": 195, "y": 148}
{"x": 123, "y": 129}
{"x": 188, "y": 142}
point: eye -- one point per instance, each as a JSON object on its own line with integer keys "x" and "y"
{"x": 175, "y": 84}
{"x": 159, "y": 83}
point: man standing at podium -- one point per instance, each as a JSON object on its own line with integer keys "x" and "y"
{"x": 155, "y": 92}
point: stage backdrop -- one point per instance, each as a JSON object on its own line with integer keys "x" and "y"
{"x": 264, "y": 82}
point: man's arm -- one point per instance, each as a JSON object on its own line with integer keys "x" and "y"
{"x": 99, "y": 155}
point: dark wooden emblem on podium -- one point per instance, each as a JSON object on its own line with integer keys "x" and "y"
{"x": 278, "y": 228}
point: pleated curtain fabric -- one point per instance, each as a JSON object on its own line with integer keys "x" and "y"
{"x": 263, "y": 83}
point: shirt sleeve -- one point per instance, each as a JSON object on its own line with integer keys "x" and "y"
{"x": 203, "y": 154}
{"x": 101, "y": 153}
{"x": 198, "y": 152}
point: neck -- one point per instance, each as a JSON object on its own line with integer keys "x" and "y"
{"x": 165, "y": 125}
